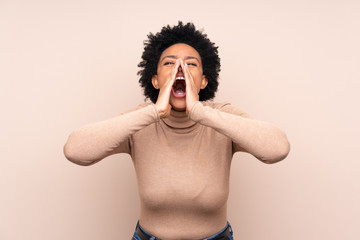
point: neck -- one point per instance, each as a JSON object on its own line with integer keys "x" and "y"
{"x": 178, "y": 119}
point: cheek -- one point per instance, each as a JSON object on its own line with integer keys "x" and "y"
{"x": 164, "y": 71}
{"x": 162, "y": 75}
{"x": 196, "y": 75}
{"x": 197, "y": 82}
{"x": 196, "y": 71}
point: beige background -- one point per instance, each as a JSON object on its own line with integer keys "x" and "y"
{"x": 67, "y": 63}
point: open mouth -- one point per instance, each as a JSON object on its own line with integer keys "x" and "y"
{"x": 179, "y": 87}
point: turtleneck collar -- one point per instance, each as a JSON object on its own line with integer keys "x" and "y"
{"x": 178, "y": 120}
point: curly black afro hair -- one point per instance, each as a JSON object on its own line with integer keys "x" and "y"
{"x": 168, "y": 36}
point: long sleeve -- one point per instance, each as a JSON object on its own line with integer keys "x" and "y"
{"x": 261, "y": 139}
{"x": 93, "y": 142}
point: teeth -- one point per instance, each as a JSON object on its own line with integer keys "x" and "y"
{"x": 179, "y": 91}
{"x": 179, "y": 78}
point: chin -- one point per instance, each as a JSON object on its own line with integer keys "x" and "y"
{"x": 178, "y": 104}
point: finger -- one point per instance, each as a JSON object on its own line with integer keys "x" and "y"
{"x": 170, "y": 80}
{"x": 188, "y": 77}
{"x": 183, "y": 65}
{"x": 186, "y": 74}
{"x": 166, "y": 89}
{"x": 191, "y": 92}
{"x": 174, "y": 71}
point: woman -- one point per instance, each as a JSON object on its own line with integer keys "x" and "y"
{"x": 181, "y": 144}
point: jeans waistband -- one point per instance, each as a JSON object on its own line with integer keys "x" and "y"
{"x": 222, "y": 234}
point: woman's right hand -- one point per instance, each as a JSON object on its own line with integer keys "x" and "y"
{"x": 163, "y": 101}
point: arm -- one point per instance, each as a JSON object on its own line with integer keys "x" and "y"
{"x": 261, "y": 139}
{"x": 93, "y": 142}
{"x": 96, "y": 141}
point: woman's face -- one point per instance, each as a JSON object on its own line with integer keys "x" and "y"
{"x": 165, "y": 67}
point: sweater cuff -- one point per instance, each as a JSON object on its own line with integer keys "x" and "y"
{"x": 156, "y": 114}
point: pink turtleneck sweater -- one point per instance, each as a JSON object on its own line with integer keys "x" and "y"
{"x": 182, "y": 162}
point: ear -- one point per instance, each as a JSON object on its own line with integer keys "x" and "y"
{"x": 204, "y": 82}
{"x": 155, "y": 82}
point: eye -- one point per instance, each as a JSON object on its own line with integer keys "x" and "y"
{"x": 191, "y": 64}
{"x": 168, "y": 63}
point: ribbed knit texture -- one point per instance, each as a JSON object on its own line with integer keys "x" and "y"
{"x": 182, "y": 162}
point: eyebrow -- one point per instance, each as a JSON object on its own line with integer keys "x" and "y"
{"x": 174, "y": 56}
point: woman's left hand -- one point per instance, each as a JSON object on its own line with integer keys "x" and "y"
{"x": 192, "y": 95}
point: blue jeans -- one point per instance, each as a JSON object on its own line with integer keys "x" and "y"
{"x": 136, "y": 236}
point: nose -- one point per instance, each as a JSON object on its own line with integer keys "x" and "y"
{"x": 180, "y": 70}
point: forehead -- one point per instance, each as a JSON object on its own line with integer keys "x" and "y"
{"x": 180, "y": 50}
